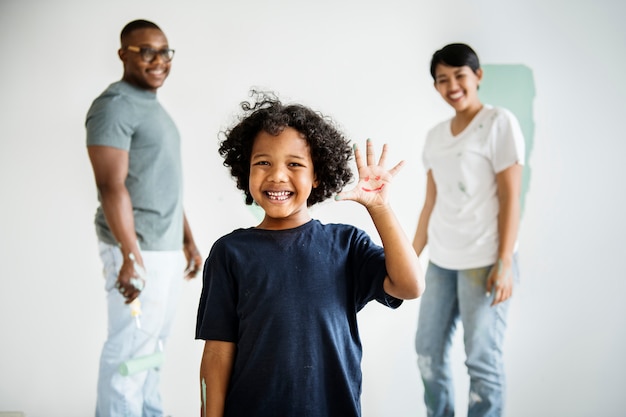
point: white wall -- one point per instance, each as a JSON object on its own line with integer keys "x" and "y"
{"x": 366, "y": 64}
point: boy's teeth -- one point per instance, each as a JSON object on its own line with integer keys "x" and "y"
{"x": 279, "y": 194}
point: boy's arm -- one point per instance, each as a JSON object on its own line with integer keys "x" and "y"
{"x": 405, "y": 278}
{"x": 215, "y": 371}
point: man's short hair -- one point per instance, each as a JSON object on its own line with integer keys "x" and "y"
{"x": 136, "y": 25}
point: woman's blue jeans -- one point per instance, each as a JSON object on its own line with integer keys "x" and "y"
{"x": 450, "y": 295}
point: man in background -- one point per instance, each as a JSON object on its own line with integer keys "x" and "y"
{"x": 134, "y": 148}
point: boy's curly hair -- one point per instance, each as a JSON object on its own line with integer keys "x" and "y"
{"x": 330, "y": 150}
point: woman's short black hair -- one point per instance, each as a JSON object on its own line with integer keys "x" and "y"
{"x": 455, "y": 55}
{"x": 330, "y": 150}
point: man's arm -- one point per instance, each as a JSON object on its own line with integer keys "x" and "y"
{"x": 110, "y": 168}
{"x": 215, "y": 370}
{"x": 194, "y": 259}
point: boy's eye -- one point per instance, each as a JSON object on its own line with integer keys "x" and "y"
{"x": 295, "y": 164}
{"x": 261, "y": 163}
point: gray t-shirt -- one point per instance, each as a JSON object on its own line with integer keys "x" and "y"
{"x": 132, "y": 119}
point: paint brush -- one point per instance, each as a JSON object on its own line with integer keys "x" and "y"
{"x": 139, "y": 283}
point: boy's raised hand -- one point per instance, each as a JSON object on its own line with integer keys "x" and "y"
{"x": 372, "y": 190}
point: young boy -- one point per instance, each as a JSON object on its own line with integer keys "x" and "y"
{"x": 279, "y": 303}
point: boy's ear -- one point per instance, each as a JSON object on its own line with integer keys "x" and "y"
{"x": 316, "y": 183}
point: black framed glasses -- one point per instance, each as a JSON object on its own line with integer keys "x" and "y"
{"x": 149, "y": 54}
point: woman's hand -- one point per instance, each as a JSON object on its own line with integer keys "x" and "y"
{"x": 500, "y": 281}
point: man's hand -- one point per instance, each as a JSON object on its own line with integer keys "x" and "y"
{"x": 194, "y": 260}
{"x": 131, "y": 278}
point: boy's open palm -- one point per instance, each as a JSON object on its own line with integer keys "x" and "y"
{"x": 372, "y": 190}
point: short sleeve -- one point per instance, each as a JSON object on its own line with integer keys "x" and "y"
{"x": 425, "y": 160}
{"x": 426, "y": 151}
{"x": 370, "y": 270}
{"x": 507, "y": 141}
{"x": 217, "y": 311}
{"x": 110, "y": 122}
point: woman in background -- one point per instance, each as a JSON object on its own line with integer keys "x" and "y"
{"x": 470, "y": 221}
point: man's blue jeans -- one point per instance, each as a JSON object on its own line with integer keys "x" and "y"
{"x": 136, "y": 395}
{"x": 450, "y": 295}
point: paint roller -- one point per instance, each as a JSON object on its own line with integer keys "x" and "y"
{"x": 142, "y": 363}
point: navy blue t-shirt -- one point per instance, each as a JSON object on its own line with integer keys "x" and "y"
{"x": 289, "y": 299}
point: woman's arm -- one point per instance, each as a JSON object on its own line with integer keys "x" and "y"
{"x": 421, "y": 234}
{"x": 500, "y": 280}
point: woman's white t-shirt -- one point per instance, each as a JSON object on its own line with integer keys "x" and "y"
{"x": 463, "y": 227}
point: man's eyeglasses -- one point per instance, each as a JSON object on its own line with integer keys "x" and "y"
{"x": 149, "y": 54}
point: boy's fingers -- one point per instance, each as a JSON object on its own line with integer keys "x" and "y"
{"x": 383, "y": 156}
{"x": 345, "y": 195}
{"x": 357, "y": 156}
{"x": 393, "y": 171}
{"x": 371, "y": 156}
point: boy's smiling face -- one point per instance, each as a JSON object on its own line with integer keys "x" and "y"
{"x": 281, "y": 178}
